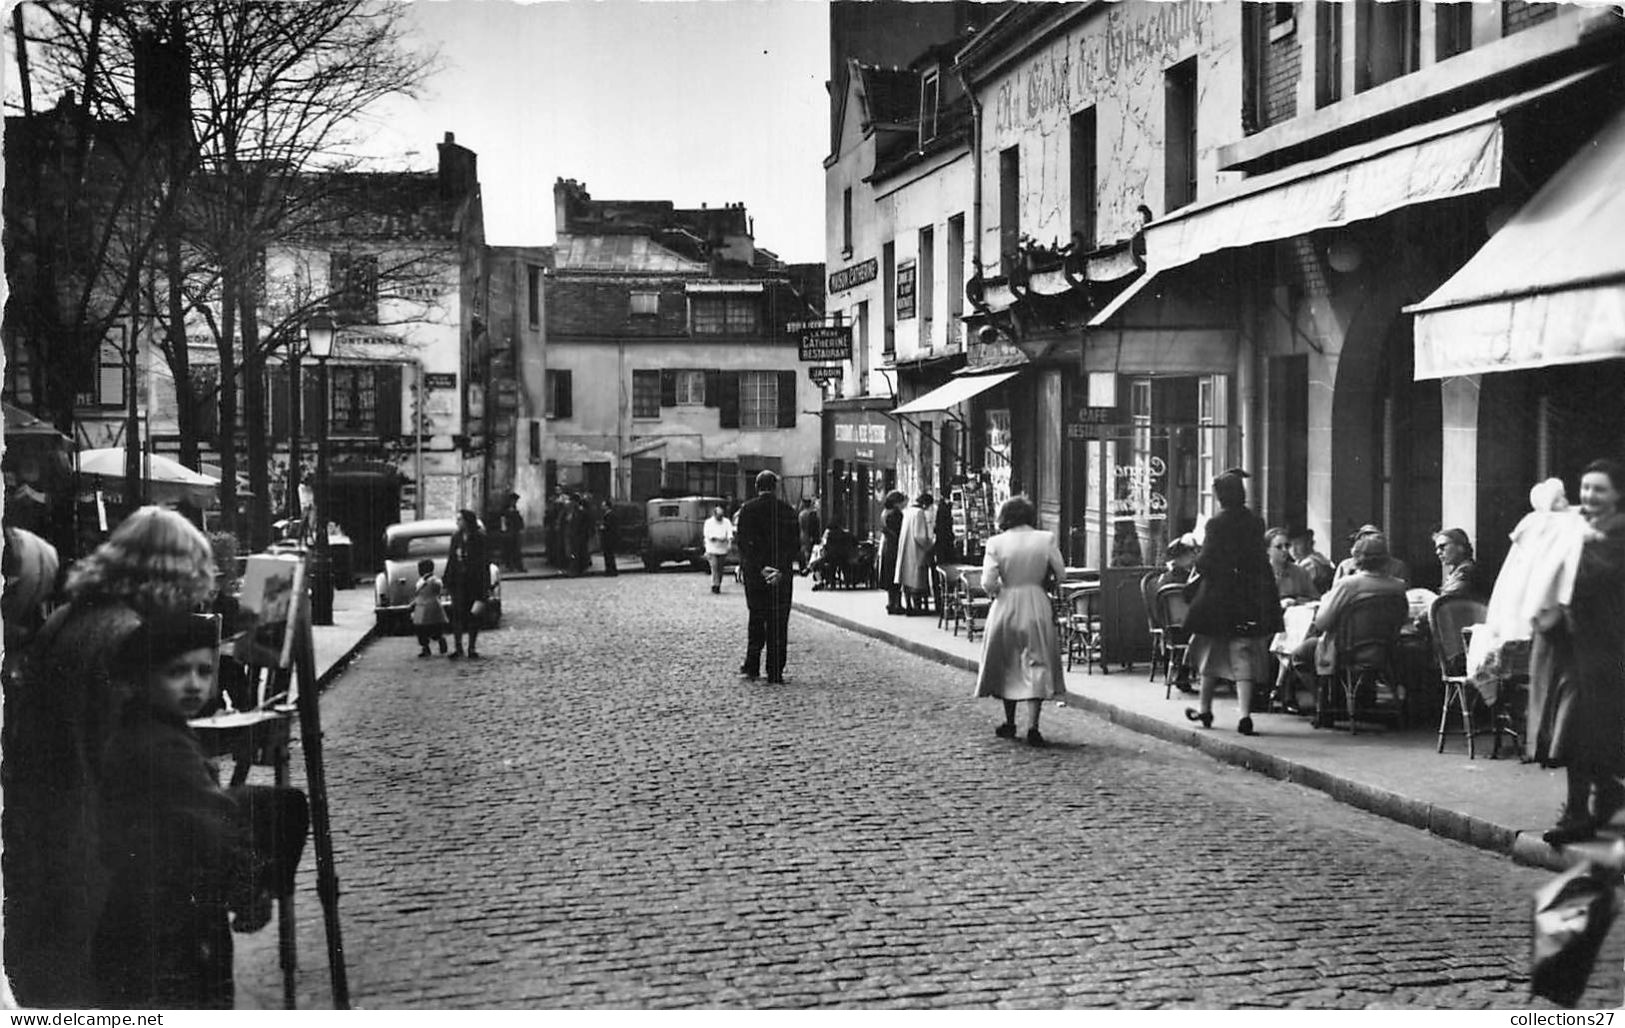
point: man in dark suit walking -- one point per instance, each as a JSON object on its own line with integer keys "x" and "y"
{"x": 769, "y": 540}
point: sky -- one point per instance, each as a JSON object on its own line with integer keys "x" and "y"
{"x": 693, "y": 101}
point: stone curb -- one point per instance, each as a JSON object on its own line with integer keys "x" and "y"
{"x": 1522, "y": 846}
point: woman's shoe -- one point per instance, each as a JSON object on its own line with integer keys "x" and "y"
{"x": 1035, "y": 738}
{"x": 1205, "y": 718}
{"x": 456, "y": 654}
{"x": 1245, "y": 726}
{"x": 1007, "y": 731}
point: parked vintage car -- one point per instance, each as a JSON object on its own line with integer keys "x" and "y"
{"x": 404, "y": 545}
{"x": 676, "y": 530}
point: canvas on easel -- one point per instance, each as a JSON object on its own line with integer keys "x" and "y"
{"x": 270, "y": 582}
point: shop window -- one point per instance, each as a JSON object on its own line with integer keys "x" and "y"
{"x": 1385, "y": 41}
{"x": 758, "y": 399}
{"x": 558, "y": 395}
{"x": 646, "y": 394}
{"x": 1009, "y": 207}
{"x": 690, "y": 388}
{"x": 925, "y": 285}
{"x": 352, "y": 279}
{"x": 888, "y": 289}
{"x": 1083, "y": 196}
{"x": 1452, "y": 29}
{"x": 930, "y": 95}
{"x": 846, "y": 222}
{"x": 956, "y": 278}
{"x": 724, "y": 315}
{"x": 1328, "y": 53}
{"x": 1179, "y": 170}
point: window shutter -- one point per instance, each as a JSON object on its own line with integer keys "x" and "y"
{"x": 668, "y": 389}
{"x": 787, "y": 399}
{"x": 728, "y": 400}
{"x": 277, "y": 382}
{"x": 561, "y": 399}
{"x": 206, "y": 404}
{"x": 713, "y": 387}
{"x": 312, "y": 404}
{"x": 387, "y": 390}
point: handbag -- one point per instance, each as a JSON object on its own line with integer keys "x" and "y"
{"x": 477, "y": 608}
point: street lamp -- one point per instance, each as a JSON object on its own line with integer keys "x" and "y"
{"x": 319, "y": 333}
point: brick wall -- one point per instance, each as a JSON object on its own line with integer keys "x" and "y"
{"x": 1283, "y": 64}
{"x": 1517, "y": 15}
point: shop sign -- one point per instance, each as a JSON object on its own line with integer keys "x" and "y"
{"x": 439, "y": 380}
{"x": 824, "y": 374}
{"x": 822, "y": 343}
{"x": 854, "y": 275}
{"x": 863, "y": 436}
{"x": 1089, "y": 422}
{"x": 905, "y": 291}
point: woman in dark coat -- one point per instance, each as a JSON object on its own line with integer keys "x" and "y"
{"x": 468, "y": 579}
{"x": 891, "y": 529}
{"x": 1235, "y": 609}
{"x": 1582, "y": 724}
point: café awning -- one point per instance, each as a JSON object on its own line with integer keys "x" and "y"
{"x": 1453, "y": 156}
{"x": 954, "y": 393}
{"x": 1549, "y": 287}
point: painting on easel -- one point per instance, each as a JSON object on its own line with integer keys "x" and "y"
{"x": 270, "y": 583}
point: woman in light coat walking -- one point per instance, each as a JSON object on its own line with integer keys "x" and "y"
{"x": 1021, "y": 650}
{"x": 914, "y": 543}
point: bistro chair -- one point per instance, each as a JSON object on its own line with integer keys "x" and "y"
{"x": 1447, "y": 616}
{"x": 974, "y": 603}
{"x": 1367, "y": 636}
{"x": 1171, "y": 607}
{"x": 950, "y": 614}
{"x": 1148, "y": 592}
{"x": 1083, "y": 628}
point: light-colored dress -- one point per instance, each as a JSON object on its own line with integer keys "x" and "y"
{"x": 914, "y": 541}
{"x": 1021, "y": 651}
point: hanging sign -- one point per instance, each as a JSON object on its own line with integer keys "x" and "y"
{"x": 439, "y": 380}
{"x": 824, "y": 343}
{"x": 825, "y": 374}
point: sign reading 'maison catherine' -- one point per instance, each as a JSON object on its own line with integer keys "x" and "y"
{"x": 820, "y": 344}
{"x": 854, "y": 275}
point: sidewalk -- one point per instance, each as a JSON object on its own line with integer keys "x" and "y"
{"x": 1501, "y": 805}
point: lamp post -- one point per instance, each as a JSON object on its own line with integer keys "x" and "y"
{"x": 319, "y": 333}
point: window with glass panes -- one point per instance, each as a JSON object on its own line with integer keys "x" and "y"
{"x": 1212, "y": 405}
{"x": 724, "y": 315}
{"x": 690, "y": 388}
{"x": 646, "y": 394}
{"x": 758, "y": 399}
{"x": 354, "y": 403}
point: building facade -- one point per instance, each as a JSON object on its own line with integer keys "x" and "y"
{"x": 667, "y": 367}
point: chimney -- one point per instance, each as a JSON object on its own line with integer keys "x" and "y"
{"x": 459, "y": 168}
{"x": 568, "y": 196}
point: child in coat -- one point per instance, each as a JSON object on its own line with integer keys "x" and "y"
{"x": 428, "y": 616}
{"x": 171, "y": 840}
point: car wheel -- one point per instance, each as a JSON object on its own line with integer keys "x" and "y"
{"x": 650, "y": 564}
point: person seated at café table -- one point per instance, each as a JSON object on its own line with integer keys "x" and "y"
{"x": 1292, "y": 582}
{"x": 1395, "y": 568}
{"x": 1317, "y": 654}
{"x": 1181, "y": 554}
{"x": 1459, "y": 573}
{"x": 1320, "y": 567}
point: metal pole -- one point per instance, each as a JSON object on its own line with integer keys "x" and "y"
{"x": 295, "y": 429}
{"x": 321, "y": 583}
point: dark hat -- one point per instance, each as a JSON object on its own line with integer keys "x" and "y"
{"x": 1371, "y": 546}
{"x": 165, "y": 636}
{"x": 1365, "y": 530}
{"x": 1235, "y": 473}
{"x": 1301, "y": 532}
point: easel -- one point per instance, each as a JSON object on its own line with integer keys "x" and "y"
{"x": 261, "y": 736}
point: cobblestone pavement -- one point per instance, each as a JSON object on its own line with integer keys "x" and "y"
{"x": 602, "y": 814}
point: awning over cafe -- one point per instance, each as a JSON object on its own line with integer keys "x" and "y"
{"x": 954, "y": 393}
{"x": 1453, "y": 156}
{"x": 1549, "y": 287}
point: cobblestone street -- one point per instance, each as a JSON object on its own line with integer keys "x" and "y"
{"x": 602, "y": 814}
